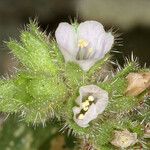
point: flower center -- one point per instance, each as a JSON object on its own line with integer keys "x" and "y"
{"x": 85, "y": 106}
{"x": 82, "y": 43}
{"x": 84, "y": 50}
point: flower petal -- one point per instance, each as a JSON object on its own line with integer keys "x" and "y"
{"x": 90, "y": 31}
{"x": 104, "y": 44}
{"x": 100, "y": 41}
{"x": 102, "y": 102}
{"x": 67, "y": 40}
{"x": 86, "y": 64}
{"x": 109, "y": 41}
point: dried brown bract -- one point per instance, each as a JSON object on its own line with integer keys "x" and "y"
{"x": 137, "y": 83}
{"x": 124, "y": 139}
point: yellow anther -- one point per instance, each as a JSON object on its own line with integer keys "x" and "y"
{"x": 85, "y": 108}
{"x": 85, "y": 104}
{"x": 91, "y": 98}
{"x": 82, "y": 43}
{"x": 81, "y": 116}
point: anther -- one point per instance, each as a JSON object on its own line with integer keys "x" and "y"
{"x": 85, "y": 104}
{"x": 82, "y": 43}
{"x": 81, "y": 116}
{"x": 85, "y": 108}
{"x": 91, "y": 98}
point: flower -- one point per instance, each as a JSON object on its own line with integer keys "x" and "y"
{"x": 137, "y": 83}
{"x": 92, "y": 101}
{"x": 85, "y": 45}
{"x": 124, "y": 139}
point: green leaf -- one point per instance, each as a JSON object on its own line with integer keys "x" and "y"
{"x": 34, "y": 51}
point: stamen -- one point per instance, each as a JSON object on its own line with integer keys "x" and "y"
{"x": 85, "y": 108}
{"x": 81, "y": 116}
{"x": 82, "y": 43}
{"x": 91, "y": 98}
{"x": 85, "y": 104}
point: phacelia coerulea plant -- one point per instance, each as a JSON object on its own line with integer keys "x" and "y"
{"x": 70, "y": 78}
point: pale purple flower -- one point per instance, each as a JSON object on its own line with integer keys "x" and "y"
{"x": 91, "y": 102}
{"x": 84, "y": 45}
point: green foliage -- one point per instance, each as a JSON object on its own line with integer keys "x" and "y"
{"x": 34, "y": 50}
{"x": 41, "y": 90}
{"x": 104, "y": 134}
{"x": 119, "y": 102}
{"x": 75, "y": 76}
{"x": 45, "y": 86}
{"x": 8, "y": 103}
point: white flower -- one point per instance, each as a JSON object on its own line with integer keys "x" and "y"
{"x": 92, "y": 101}
{"x": 85, "y": 45}
{"x": 124, "y": 139}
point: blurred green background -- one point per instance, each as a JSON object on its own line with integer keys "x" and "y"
{"x": 131, "y": 18}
